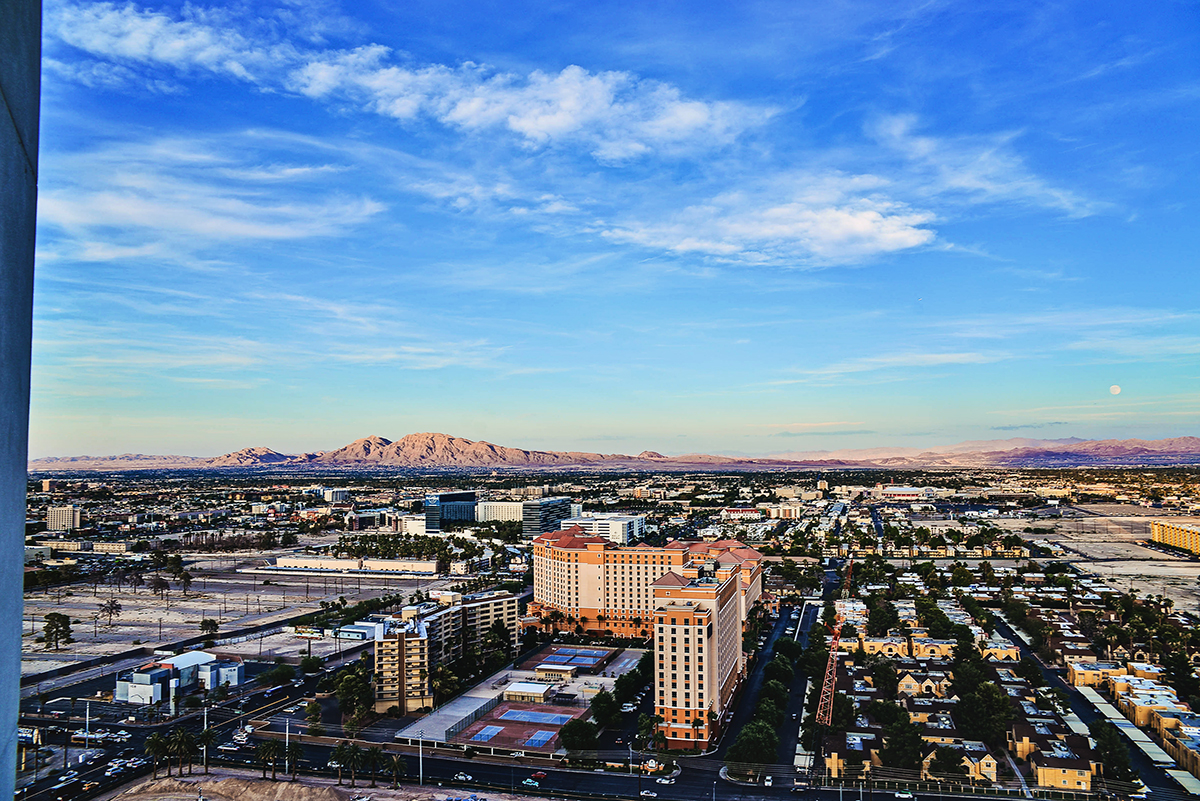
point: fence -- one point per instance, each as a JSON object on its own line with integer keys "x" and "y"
{"x": 474, "y": 715}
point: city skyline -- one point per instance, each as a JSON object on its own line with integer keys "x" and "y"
{"x": 747, "y": 231}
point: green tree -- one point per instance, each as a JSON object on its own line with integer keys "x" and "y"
{"x": 757, "y": 742}
{"x": 605, "y": 709}
{"x": 354, "y": 761}
{"x": 947, "y": 763}
{"x": 903, "y": 745}
{"x": 57, "y": 629}
{"x": 205, "y": 741}
{"x": 886, "y": 679}
{"x": 779, "y": 669}
{"x": 986, "y": 715}
{"x": 578, "y": 736}
{"x": 294, "y": 753}
{"x": 373, "y": 760}
{"x": 182, "y": 745}
{"x": 209, "y": 626}
{"x": 156, "y": 748}
{"x": 1111, "y": 751}
{"x": 268, "y": 753}
{"x": 399, "y": 769}
{"x": 111, "y": 608}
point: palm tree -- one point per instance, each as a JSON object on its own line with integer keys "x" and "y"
{"x": 372, "y": 759}
{"x": 268, "y": 751}
{"x": 294, "y": 753}
{"x": 399, "y": 768}
{"x": 182, "y": 744}
{"x": 354, "y": 761}
{"x": 156, "y": 748}
{"x": 205, "y": 740}
{"x": 339, "y": 756}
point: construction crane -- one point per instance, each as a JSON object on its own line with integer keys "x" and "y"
{"x": 825, "y": 707}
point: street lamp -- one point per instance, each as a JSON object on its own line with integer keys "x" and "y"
{"x": 421, "y": 757}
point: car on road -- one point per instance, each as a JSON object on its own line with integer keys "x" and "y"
{"x": 768, "y": 782}
{"x": 462, "y": 777}
{"x": 529, "y": 783}
{"x": 649, "y": 794}
{"x": 619, "y": 741}
{"x": 904, "y": 794}
{"x": 538, "y": 775}
{"x": 89, "y": 786}
{"x": 665, "y": 780}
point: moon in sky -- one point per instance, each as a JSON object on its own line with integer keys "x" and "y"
{"x": 1114, "y": 389}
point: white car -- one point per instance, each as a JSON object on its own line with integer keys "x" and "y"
{"x": 462, "y": 777}
{"x": 904, "y": 794}
{"x": 665, "y": 780}
{"x": 768, "y": 782}
{"x": 649, "y": 794}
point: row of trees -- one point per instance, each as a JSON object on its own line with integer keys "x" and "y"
{"x": 759, "y": 739}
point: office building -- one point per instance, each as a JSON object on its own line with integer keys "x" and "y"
{"x": 439, "y": 506}
{"x": 597, "y": 585}
{"x": 336, "y": 495}
{"x": 422, "y": 636}
{"x": 621, "y": 529}
{"x": 543, "y": 516}
{"x": 63, "y": 518}
{"x": 505, "y": 511}
{"x": 698, "y": 652}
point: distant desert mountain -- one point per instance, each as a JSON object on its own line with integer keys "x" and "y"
{"x": 247, "y": 457}
{"x": 442, "y": 451}
{"x": 124, "y": 461}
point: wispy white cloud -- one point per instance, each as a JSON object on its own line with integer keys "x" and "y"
{"x": 615, "y": 115}
{"x": 807, "y": 426}
{"x": 167, "y": 197}
{"x": 897, "y": 361}
{"x": 981, "y": 169}
{"x": 819, "y": 220}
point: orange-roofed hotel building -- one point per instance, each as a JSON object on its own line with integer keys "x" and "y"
{"x": 694, "y": 597}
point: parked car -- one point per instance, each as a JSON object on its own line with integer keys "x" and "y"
{"x": 904, "y": 794}
{"x": 665, "y": 780}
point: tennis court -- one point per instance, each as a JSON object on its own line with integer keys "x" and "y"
{"x": 517, "y": 725}
{"x": 529, "y": 716}
{"x": 539, "y": 738}
{"x": 588, "y": 660}
{"x": 487, "y": 733}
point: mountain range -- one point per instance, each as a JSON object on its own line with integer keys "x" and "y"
{"x": 442, "y": 451}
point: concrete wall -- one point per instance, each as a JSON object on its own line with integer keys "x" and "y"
{"x": 20, "y": 78}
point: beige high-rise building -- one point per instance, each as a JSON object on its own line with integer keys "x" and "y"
{"x": 423, "y": 636}
{"x": 597, "y": 585}
{"x": 699, "y": 661}
{"x": 64, "y": 518}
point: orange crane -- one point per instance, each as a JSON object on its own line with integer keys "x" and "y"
{"x": 825, "y": 707}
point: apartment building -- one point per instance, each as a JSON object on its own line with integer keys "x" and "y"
{"x": 64, "y": 518}
{"x": 1176, "y": 534}
{"x": 598, "y": 585}
{"x": 698, "y": 651}
{"x": 439, "y": 506}
{"x": 422, "y": 636}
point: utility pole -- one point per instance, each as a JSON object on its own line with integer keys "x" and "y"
{"x": 421, "y": 757}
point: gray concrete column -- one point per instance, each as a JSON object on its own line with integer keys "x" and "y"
{"x": 20, "y": 87}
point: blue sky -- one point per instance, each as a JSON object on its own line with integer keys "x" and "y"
{"x": 752, "y": 228}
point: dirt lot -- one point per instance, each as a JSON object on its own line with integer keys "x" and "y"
{"x": 218, "y": 591}
{"x": 1105, "y": 541}
{"x": 239, "y": 785}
